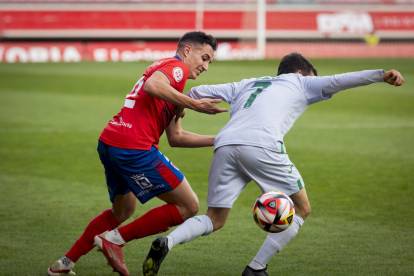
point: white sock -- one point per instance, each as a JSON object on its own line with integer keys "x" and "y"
{"x": 190, "y": 230}
{"x": 256, "y": 265}
{"x": 275, "y": 242}
{"x": 67, "y": 264}
{"x": 114, "y": 237}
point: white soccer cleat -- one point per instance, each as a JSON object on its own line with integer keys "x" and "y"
{"x": 58, "y": 269}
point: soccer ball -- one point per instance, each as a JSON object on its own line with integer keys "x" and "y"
{"x": 273, "y": 211}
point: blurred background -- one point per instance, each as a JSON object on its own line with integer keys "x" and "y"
{"x": 134, "y": 30}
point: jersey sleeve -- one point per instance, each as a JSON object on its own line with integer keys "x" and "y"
{"x": 322, "y": 88}
{"x": 220, "y": 91}
{"x": 177, "y": 72}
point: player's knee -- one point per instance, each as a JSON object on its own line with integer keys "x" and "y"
{"x": 124, "y": 214}
{"x": 190, "y": 209}
{"x": 193, "y": 209}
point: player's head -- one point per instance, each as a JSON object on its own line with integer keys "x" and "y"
{"x": 196, "y": 49}
{"x": 295, "y": 62}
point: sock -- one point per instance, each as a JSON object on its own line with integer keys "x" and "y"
{"x": 155, "y": 221}
{"x": 67, "y": 264}
{"x": 256, "y": 265}
{"x": 275, "y": 242}
{"x": 190, "y": 230}
{"x": 114, "y": 237}
{"x": 103, "y": 222}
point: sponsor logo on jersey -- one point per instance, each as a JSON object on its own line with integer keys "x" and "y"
{"x": 178, "y": 74}
{"x": 142, "y": 181}
{"x": 113, "y": 122}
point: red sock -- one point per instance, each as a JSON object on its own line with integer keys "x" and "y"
{"x": 155, "y": 221}
{"x": 103, "y": 222}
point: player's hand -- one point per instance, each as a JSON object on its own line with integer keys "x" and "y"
{"x": 393, "y": 77}
{"x": 179, "y": 113}
{"x": 208, "y": 106}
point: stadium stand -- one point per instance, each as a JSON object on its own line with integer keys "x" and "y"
{"x": 130, "y": 30}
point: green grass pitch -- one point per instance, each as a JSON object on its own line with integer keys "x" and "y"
{"x": 355, "y": 153}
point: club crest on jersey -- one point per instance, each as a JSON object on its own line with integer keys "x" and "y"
{"x": 142, "y": 181}
{"x": 178, "y": 74}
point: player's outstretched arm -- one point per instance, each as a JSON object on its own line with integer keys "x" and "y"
{"x": 158, "y": 86}
{"x": 177, "y": 137}
{"x": 393, "y": 77}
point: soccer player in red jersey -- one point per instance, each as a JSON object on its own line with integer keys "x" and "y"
{"x": 134, "y": 166}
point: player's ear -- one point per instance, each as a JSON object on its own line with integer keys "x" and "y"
{"x": 187, "y": 50}
{"x": 298, "y": 72}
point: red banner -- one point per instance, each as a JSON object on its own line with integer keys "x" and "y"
{"x": 41, "y": 52}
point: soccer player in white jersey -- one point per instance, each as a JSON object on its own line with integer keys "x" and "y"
{"x": 251, "y": 147}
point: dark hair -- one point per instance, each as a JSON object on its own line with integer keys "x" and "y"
{"x": 196, "y": 39}
{"x": 293, "y": 62}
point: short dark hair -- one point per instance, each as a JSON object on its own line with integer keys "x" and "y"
{"x": 197, "y": 38}
{"x": 293, "y": 62}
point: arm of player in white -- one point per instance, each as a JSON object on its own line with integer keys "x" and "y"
{"x": 320, "y": 88}
{"x": 221, "y": 91}
{"x": 336, "y": 83}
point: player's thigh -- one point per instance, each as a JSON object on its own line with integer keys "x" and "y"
{"x": 184, "y": 198}
{"x": 301, "y": 201}
{"x": 115, "y": 184}
{"x": 271, "y": 171}
{"x": 226, "y": 181}
{"x": 147, "y": 173}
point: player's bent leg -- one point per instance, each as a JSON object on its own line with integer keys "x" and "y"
{"x": 275, "y": 242}
{"x": 197, "y": 226}
{"x": 186, "y": 203}
{"x": 184, "y": 198}
{"x": 191, "y": 229}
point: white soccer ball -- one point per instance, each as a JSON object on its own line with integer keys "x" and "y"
{"x": 273, "y": 211}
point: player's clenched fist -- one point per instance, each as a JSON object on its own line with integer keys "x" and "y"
{"x": 393, "y": 77}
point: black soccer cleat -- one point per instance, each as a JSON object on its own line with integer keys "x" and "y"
{"x": 248, "y": 271}
{"x": 158, "y": 251}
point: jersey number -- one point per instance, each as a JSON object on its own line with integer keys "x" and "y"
{"x": 260, "y": 86}
{"x": 128, "y": 102}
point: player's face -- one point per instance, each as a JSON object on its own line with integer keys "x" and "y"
{"x": 198, "y": 59}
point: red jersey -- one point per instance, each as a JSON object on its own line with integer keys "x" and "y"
{"x": 142, "y": 120}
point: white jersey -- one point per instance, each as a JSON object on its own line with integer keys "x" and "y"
{"x": 264, "y": 109}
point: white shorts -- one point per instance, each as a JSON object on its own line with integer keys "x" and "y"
{"x": 234, "y": 166}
